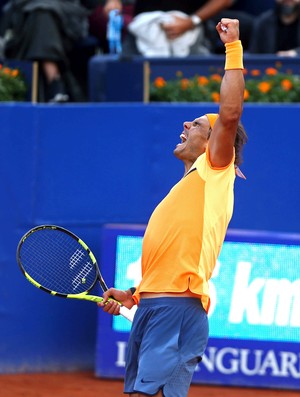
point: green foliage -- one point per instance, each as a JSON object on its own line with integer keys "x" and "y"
{"x": 271, "y": 86}
{"x": 12, "y": 85}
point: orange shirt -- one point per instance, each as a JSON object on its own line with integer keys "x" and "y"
{"x": 186, "y": 231}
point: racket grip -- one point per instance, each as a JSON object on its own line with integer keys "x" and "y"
{"x": 125, "y": 312}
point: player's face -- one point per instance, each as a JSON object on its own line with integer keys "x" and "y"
{"x": 194, "y": 138}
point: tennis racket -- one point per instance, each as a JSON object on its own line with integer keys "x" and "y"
{"x": 58, "y": 262}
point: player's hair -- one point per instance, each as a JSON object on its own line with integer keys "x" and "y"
{"x": 240, "y": 140}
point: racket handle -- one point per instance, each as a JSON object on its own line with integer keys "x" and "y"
{"x": 125, "y": 312}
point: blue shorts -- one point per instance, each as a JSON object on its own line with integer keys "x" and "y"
{"x": 167, "y": 340}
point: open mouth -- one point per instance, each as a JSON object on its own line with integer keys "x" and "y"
{"x": 183, "y": 137}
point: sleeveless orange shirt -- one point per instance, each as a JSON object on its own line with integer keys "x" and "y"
{"x": 186, "y": 231}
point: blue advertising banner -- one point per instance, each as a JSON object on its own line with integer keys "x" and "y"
{"x": 254, "y": 317}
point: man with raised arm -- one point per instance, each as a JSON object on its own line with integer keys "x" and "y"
{"x": 182, "y": 242}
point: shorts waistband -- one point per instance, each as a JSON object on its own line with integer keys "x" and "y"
{"x": 170, "y": 301}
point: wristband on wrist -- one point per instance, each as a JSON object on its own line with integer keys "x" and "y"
{"x": 132, "y": 290}
{"x": 234, "y": 55}
{"x": 196, "y": 20}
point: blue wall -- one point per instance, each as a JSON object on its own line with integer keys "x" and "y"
{"x": 87, "y": 165}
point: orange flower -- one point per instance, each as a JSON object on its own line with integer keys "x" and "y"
{"x": 264, "y": 87}
{"x": 14, "y": 73}
{"x": 159, "y": 82}
{"x": 215, "y": 96}
{"x": 179, "y": 73}
{"x": 286, "y": 85}
{"x": 271, "y": 71}
{"x": 269, "y": 84}
{"x": 216, "y": 77}
{"x": 184, "y": 83}
{"x": 255, "y": 72}
{"x": 6, "y": 71}
{"x": 202, "y": 80}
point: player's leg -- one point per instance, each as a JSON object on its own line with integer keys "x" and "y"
{"x": 172, "y": 332}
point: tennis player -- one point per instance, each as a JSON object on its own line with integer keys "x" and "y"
{"x": 182, "y": 242}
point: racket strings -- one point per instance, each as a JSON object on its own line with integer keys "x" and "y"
{"x": 58, "y": 262}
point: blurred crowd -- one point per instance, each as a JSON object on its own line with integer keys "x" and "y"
{"x": 62, "y": 35}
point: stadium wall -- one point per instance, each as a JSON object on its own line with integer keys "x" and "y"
{"x": 83, "y": 166}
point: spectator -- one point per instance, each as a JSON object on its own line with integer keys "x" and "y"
{"x": 281, "y": 27}
{"x": 199, "y": 21}
{"x": 188, "y": 28}
{"x": 235, "y": 11}
{"x": 253, "y": 7}
{"x": 46, "y": 31}
{"x": 99, "y": 18}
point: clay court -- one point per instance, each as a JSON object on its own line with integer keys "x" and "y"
{"x": 84, "y": 384}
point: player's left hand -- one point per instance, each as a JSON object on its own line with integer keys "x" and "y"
{"x": 228, "y": 30}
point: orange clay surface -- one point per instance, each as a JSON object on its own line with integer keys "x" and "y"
{"x": 85, "y": 384}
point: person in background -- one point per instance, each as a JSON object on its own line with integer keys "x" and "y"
{"x": 187, "y": 29}
{"x": 253, "y": 7}
{"x": 98, "y": 20}
{"x": 191, "y": 25}
{"x": 280, "y": 28}
{"x": 46, "y": 31}
{"x": 182, "y": 242}
{"x": 237, "y": 9}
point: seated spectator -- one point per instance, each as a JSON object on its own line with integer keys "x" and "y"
{"x": 98, "y": 20}
{"x": 253, "y": 7}
{"x": 277, "y": 31}
{"x": 184, "y": 32}
{"x": 235, "y": 11}
{"x": 174, "y": 25}
{"x": 46, "y": 31}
